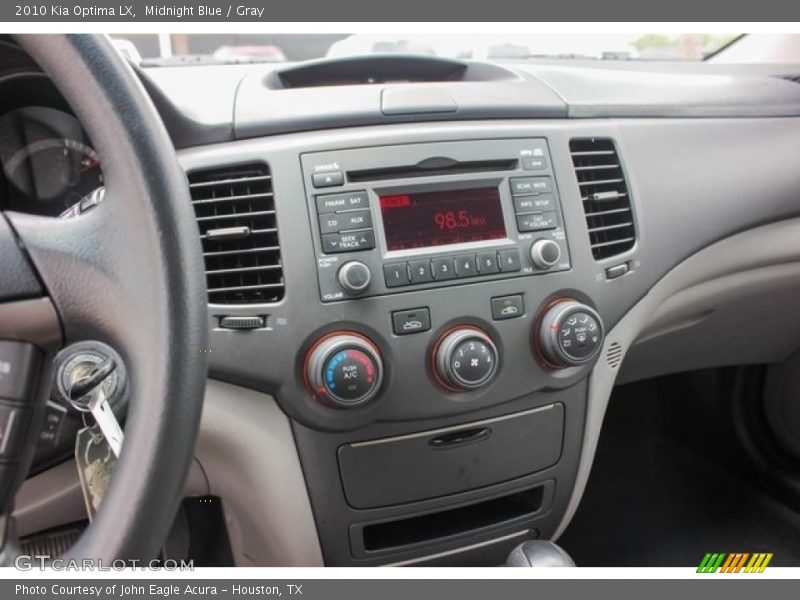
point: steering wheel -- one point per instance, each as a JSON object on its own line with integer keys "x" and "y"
{"x": 128, "y": 273}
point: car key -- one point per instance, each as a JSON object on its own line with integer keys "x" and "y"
{"x": 87, "y": 396}
{"x": 100, "y": 409}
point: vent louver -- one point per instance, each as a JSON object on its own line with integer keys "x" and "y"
{"x": 604, "y": 193}
{"x": 792, "y": 78}
{"x": 614, "y": 355}
{"x": 235, "y": 210}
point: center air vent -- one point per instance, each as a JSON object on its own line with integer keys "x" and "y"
{"x": 235, "y": 211}
{"x": 604, "y": 193}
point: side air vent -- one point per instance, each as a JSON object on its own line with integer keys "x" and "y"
{"x": 235, "y": 211}
{"x": 614, "y": 355}
{"x": 792, "y": 78}
{"x": 604, "y": 192}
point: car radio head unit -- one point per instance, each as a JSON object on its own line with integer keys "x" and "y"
{"x": 439, "y": 218}
{"x": 389, "y": 218}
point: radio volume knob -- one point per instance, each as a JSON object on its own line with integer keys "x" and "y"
{"x": 570, "y": 334}
{"x": 354, "y": 277}
{"x": 465, "y": 359}
{"x": 545, "y": 253}
{"x": 344, "y": 369}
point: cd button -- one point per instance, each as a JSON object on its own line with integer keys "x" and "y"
{"x": 396, "y": 275}
{"x": 420, "y": 271}
{"x": 465, "y": 266}
{"x": 443, "y": 268}
{"x": 509, "y": 260}
{"x": 487, "y": 263}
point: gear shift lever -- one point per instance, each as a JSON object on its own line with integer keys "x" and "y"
{"x": 539, "y": 553}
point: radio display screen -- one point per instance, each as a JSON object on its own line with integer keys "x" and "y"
{"x": 424, "y": 219}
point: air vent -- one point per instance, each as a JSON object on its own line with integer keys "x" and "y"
{"x": 235, "y": 211}
{"x": 614, "y": 355}
{"x": 792, "y": 78}
{"x": 605, "y": 196}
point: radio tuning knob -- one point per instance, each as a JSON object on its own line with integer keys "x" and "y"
{"x": 465, "y": 359}
{"x": 545, "y": 253}
{"x": 354, "y": 277}
{"x": 570, "y": 334}
{"x": 344, "y": 370}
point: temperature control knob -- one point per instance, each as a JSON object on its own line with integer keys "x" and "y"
{"x": 344, "y": 370}
{"x": 465, "y": 359}
{"x": 545, "y": 253}
{"x": 570, "y": 334}
{"x": 354, "y": 277}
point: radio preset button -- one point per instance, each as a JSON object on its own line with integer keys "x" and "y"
{"x": 420, "y": 271}
{"x": 396, "y": 275}
{"x": 327, "y": 179}
{"x": 348, "y": 242}
{"x": 509, "y": 260}
{"x": 530, "y": 185}
{"x": 465, "y": 266}
{"x": 345, "y": 201}
{"x": 487, "y": 263}
{"x": 537, "y": 221}
{"x": 530, "y": 204}
{"x": 443, "y": 268}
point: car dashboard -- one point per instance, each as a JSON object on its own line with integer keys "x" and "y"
{"x": 425, "y": 277}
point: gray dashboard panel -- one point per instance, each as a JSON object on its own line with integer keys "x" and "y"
{"x": 212, "y": 103}
{"x": 693, "y": 182}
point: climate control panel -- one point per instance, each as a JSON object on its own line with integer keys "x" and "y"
{"x": 344, "y": 370}
{"x": 570, "y": 334}
{"x": 465, "y": 358}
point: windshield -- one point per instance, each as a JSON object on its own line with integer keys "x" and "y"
{"x": 161, "y": 49}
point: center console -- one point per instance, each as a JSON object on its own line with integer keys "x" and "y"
{"x": 442, "y": 313}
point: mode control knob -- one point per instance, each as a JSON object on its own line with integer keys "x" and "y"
{"x": 570, "y": 334}
{"x": 344, "y": 370}
{"x": 465, "y": 359}
{"x": 354, "y": 277}
{"x": 545, "y": 253}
